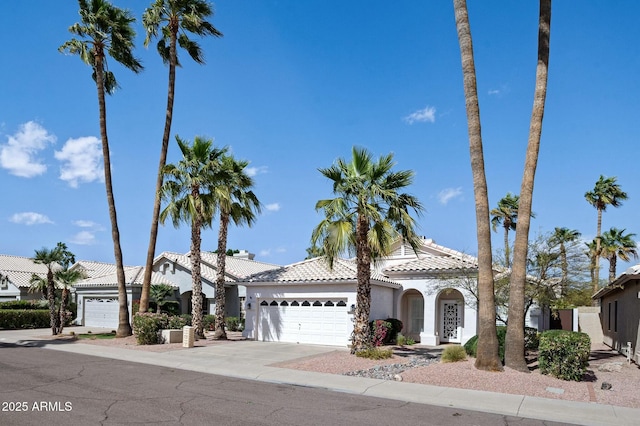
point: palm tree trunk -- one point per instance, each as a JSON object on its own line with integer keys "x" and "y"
{"x": 612, "y": 268}
{"x": 220, "y": 332}
{"x": 507, "y": 255}
{"x": 153, "y": 235}
{"x": 596, "y": 263}
{"x": 514, "y": 342}
{"x": 63, "y": 309}
{"x": 124, "y": 326}
{"x": 487, "y": 352}
{"x": 51, "y": 296}
{"x": 361, "y": 332}
{"x": 196, "y": 290}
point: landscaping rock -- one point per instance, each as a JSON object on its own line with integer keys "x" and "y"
{"x": 390, "y": 371}
{"x": 611, "y": 367}
{"x": 606, "y": 386}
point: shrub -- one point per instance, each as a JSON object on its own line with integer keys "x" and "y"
{"x": 380, "y": 331}
{"x": 401, "y": 340}
{"x": 178, "y": 322}
{"x": 564, "y": 354}
{"x": 453, "y": 354}
{"x": 471, "y": 347}
{"x": 375, "y": 353}
{"x": 209, "y": 322}
{"x": 24, "y": 318}
{"x": 396, "y": 327}
{"x": 147, "y": 326}
{"x": 232, "y": 323}
{"x": 531, "y": 338}
{"x": 24, "y": 304}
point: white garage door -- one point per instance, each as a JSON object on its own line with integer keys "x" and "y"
{"x": 323, "y": 322}
{"x": 101, "y": 312}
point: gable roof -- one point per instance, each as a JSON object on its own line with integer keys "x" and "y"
{"x": 427, "y": 263}
{"x": 236, "y": 268}
{"x": 95, "y": 269}
{"x": 632, "y": 273}
{"x": 317, "y": 270}
{"x": 20, "y": 269}
{"x": 133, "y": 275}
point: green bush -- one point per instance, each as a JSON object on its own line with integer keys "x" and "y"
{"x": 531, "y": 338}
{"x": 25, "y": 304}
{"x": 147, "y": 326}
{"x": 24, "y": 318}
{"x": 471, "y": 347}
{"x": 209, "y": 322}
{"x": 396, "y": 328}
{"x": 178, "y": 322}
{"x": 564, "y": 354}
{"x": 453, "y": 354}
{"x": 232, "y": 323}
{"x": 375, "y": 353}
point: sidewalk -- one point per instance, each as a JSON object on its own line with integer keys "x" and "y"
{"x": 251, "y": 360}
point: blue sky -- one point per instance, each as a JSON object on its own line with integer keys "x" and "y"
{"x": 294, "y": 85}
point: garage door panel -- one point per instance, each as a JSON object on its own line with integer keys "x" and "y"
{"x": 101, "y": 312}
{"x": 304, "y": 321}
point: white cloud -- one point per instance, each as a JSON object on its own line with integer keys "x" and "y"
{"x": 84, "y": 238}
{"x": 81, "y": 161}
{"x": 449, "y": 194}
{"x": 265, "y": 253}
{"x": 30, "y": 218}
{"x": 273, "y": 207}
{"x": 494, "y": 92}
{"x": 85, "y": 223}
{"x": 19, "y": 154}
{"x": 252, "y": 171}
{"x": 426, "y": 115}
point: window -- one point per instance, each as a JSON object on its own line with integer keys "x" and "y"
{"x": 295, "y": 303}
{"x": 273, "y": 303}
{"x": 609, "y": 317}
{"x": 329, "y": 303}
{"x": 342, "y": 303}
{"x": 615, "y": 316}
{"x": 306, "y": 303}
{"x": 284, "y": 303}
{"x": 317, "y": 303}
{"x": 264, "y": 303}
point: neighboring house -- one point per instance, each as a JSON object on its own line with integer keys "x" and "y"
{"x": 307, "y": 302}
{"x": 15, "y": 277}
{"x": 620, "y": 313}
{"x": 97, "y": 295}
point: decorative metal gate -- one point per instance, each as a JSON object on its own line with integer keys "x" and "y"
{"x": 450, "y": 326}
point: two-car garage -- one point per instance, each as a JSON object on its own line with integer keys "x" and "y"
{"x": 315, "y": 321}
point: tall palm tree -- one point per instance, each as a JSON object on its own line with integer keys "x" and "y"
{"x": 187, "y": 187}
{"x": 66, "y": 278}
{"x": 591, "y": 254}
{"x": 560, "y": 238}
{"x": 606, "y": 192}
{"x": 514, "y": 341}
{"x": 506, "y": 214}
{"x": 236, "y": 202}
{"x": 616, "y": 244}
{"x": 104, "y": 29}
{"x": 173, "y": 19}
{"x": 49, "y": 258}
{"x": 367, "y": 215}
{"x": 487, "y": 354}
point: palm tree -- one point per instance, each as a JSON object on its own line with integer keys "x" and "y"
{"x": 514, "y": 341}
{"x": 66, "y": 278}
{"x": 159, "y": 294}
{"x": 616, "y": 244}
{"x": 170, "y": 17}
{"x": 591, "y": 254}
{"x": 506, "y": 214}
{"x": 38, "y": 285}
{"x": 605, "y": 193}
{"x": 50, "y": 259}
{"x": 236, "y": 202}
{"x": 487, "y": 353}
{"x": 367, "y": 215}
{"x": 561, "y": 237}
{"x": 188, "y": 189}
{"x": 106, "y": 29}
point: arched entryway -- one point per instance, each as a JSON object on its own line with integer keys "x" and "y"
{"x": 450, "y": 316}
{"x": 412, "y": 308}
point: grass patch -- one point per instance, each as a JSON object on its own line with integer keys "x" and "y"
{"x": 453, "y": 354}
{"x": 95, "y": 336}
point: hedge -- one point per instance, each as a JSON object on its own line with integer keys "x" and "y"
{"x": 25, "y": 304}
{"x": 24, "y": 318}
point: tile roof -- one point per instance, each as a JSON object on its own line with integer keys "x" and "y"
{"x": 317, "y": 270}
{"x": 95, "y": 269}
{"x": 20, "y": 269}
{"x": 431, "y": 263}
{"x": 133, "y": 276}
{"x": 235, "y": 268}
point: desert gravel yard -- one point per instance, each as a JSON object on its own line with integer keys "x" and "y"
{"x": 418, "y": 364}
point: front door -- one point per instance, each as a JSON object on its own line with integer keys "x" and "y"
{"x": 416, "y": 316}
{"x": 450, "y": 321}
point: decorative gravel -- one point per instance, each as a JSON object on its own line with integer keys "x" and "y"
{"x": 393, "y": 371}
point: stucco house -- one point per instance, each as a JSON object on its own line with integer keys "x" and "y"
{"x": 308, "y": 302}
{"x": 620, "y": 313}
{"x": 15, "y": 277}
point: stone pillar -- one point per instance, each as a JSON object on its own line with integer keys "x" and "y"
{"x": 188, "y": 336}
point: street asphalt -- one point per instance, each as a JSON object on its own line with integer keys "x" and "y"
{"x": 252, "y": 360}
